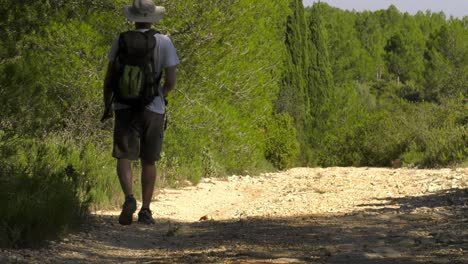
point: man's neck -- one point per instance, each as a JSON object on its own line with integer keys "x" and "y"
{"x": 143, "y": 25}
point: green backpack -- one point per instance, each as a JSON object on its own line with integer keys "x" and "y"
{"x": 135, "y": 82}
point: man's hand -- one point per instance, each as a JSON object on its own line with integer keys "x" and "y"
{"x": 169, "y": 80}
{"x": 107, "y": 114}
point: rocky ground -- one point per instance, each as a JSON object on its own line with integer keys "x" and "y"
{"x": 304, "y": 215}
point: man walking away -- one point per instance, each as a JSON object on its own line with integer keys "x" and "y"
{"x": 137, "y": 60}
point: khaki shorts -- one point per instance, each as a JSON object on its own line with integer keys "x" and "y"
{"x": 138, "y": 134}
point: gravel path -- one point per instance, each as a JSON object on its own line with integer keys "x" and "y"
{"x": 304, "y": 215}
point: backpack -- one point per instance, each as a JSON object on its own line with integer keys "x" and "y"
{"x": 135, "y": 82}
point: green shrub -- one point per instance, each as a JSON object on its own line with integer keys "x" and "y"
{"x": 420, "y": 134}
{"x": 282, "y": 147}
{"x": 413, "y": 156}
{"x": 443, "y": 147}
{"x": 46, "y": 187}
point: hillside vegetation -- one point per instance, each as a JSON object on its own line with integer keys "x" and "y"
{"x": 261, "y": 85}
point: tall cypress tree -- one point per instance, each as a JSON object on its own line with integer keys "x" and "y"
{"x": 320, "y": 87}
{"x": 293, "y": 96}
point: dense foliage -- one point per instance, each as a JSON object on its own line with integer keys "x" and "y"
{"x": 383, "y": 88}
{"x": 261, "y": 84}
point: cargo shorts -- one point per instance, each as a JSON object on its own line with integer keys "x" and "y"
{"x": 138, "y": 135}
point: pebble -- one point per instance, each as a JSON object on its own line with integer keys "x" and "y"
{"x": 286, "y": 260}
{"x": 410, "y": 217}
{"x": 373, "y": 256}
{"x": 388, "y": 252}
{"x": 206, "y": 218}
{"x": 444, "y": 238}
{"x": 346, "y": 257}
{"x": 380, "y": 243}
{"x": 425, "y": 241}
{"x": 384, "y": 217}
{"x": 406, "y": 243}
{"x": 434, "y": 188}
{"x": 324, "y": 252}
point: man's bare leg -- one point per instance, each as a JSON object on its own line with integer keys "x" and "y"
{"x": 148, "y": 178}
{"x": 124, "y": 171}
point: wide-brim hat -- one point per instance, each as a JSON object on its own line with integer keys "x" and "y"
{"x": 144, "y": 11}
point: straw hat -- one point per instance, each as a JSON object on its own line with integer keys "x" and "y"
{"x": 144, "y": 11}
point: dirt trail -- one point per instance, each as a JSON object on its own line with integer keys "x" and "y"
{"x": 331, "y": 215}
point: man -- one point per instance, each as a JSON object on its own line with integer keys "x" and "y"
{"x": 138, "y": 134}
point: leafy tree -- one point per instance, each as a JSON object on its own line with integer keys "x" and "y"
{"x": 372, "y": 39}
{"x": 404, "y": 55}
{"x": 232, "y": 60}
{"x": 447, "y": 62}
{"x": 349, "y": 59}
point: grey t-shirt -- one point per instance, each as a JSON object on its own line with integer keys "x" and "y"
{"x": 165, "y": 56}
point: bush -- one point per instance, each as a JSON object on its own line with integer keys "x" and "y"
{"x": 282, "y": 147}
{"x": 418, "y": 134}
{"x": 421, "y": 134}
{"x": 46, "y": 187}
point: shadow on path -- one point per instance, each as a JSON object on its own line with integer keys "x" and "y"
{"x": 426, "y": 229}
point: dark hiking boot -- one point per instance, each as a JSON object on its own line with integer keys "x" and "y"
{"x": 145, "y": 216}
{"x": 128, "y": 208}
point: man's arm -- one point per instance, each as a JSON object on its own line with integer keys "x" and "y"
{"x": 169, "y": 80}
{"x": 108, "y": 84}
{"x": 107, "y": 92}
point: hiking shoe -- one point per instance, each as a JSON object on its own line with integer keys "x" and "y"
{"x": 128, "y": 208}
{"x": 145, "y": 216}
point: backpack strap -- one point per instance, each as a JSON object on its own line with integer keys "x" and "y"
{"x": 151, "y": 33}
{"x": 122, "y": 44}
